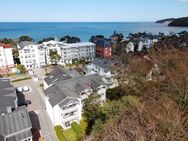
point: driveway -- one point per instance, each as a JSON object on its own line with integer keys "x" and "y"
{"x": 36, "y": 96}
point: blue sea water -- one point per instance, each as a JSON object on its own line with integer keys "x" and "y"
{"x": 85, "y": 30}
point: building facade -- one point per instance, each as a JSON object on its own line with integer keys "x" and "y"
{"x": 6, "y": 58}
{"x": 31, "y": 55}
{"x": 65, "y": 92}
{"x": 70, "y": 52}
{"x": 34, "y": 55}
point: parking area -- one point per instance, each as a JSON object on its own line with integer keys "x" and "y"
{"x": 38, "y": 114}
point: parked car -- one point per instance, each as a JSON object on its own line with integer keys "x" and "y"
{"x": 24, "y": 102}
{"x": 19, "y": 90}
{"x": 25, "y": 89}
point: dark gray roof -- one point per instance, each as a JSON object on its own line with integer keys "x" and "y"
{"x": 72, "y": 88}
{"x": 59, "y": 74}
{"x": 7, "y": 95}
{"x": 16, "y": 126}
{"x": 25, "y": 43}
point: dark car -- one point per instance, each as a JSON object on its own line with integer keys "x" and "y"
{"x": 24, "y": 102}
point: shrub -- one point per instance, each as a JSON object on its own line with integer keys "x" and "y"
{"x": 77, "y": 129}
{"x": 21, "y": 79}
{"x": 42, "y": 85}
{"x": 59, "y": 133}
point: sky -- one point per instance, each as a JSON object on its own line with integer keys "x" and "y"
{"x": 91, "y": 10}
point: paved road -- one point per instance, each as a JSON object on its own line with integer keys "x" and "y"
{"x": 36, "y": 96}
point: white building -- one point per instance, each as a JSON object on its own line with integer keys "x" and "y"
{"x": 70, "y": 52}
{"x": 34, "y": 55}
{"x": 6, "y": 58}
{"x": 130, "y": 47}
{"x": 65, "y": 92}
{"x": 140, "y": 46}
{"x": 103, "y": 68}
{"x": 31, "y": 55}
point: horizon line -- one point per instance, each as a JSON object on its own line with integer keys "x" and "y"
{"x": 71, "y": 21}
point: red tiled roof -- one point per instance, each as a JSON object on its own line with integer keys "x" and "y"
{"x": 6, "y": 45}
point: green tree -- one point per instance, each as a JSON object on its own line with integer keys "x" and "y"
{"x": 70, "y": 39}
{"x": 46, "y": 40}
{"x": 54, "y": 56}
{"x": 21, "y": 68}
{"x": 15, "y": 52}
{"x": 91, "y": 110}
{"x": 7, "y": 41}
{"x": 25, "y": 38}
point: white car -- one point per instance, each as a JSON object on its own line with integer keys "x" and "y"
{"x": 25, "y": 89}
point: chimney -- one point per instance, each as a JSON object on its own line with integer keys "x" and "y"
{"x": 9, "y": 109}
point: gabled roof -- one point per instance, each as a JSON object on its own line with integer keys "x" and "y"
{"x": 59, "y": 74}
{"x": 7, "y": 95}
{"x": 71, "y": 88}
{"x": 15, "y": 126}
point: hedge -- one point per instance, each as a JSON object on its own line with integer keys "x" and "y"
{"x": 77, "y": 129}
{"x": 21, "y": 79}
{"x": 59, "y": 133}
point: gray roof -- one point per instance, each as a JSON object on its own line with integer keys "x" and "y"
{"x": 7, "y": 95}
{"x": 25, "y": 43}
{"x": 71, "y": 88}
{"x": 67, "y": 100}
{"x": 103, "y": 63}
{"x": 15, "y": 126}
{"x": 59, "y": 74}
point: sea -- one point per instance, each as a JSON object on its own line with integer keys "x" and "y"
{"x": 83, "y": 30}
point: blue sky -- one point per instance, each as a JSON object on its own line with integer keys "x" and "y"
{"x": 90, "y": 10}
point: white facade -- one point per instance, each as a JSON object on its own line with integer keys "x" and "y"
{"x": 64, "y": 99}
{"x": 6, "y": 57}
{"x": 130, "y": 47}
{"x": 70, "y": 52}
{"x": 32, "y": 56}
{"x": 72, "y": 111}
{"x": 65, "y": 115}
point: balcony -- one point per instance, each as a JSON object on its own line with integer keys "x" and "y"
{"x": 71, "y": 109}
{"x": 70, "y": 118}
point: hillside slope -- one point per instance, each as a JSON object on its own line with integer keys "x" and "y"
{"x": 183, "y": 22}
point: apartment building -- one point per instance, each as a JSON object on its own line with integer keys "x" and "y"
{"x": 6, "y": 58}
{"x": 31, "y": 55}
{"x": 103, "y": 47}
{"x": 65, "y": 91}
{"x": 15, "y": 124}
{"x": 70, "y": 52}
{"x": 106, "y": 69}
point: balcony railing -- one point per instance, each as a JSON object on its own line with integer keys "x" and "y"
{"x": 70, "y": 118}
{"x": 70, "y": 109}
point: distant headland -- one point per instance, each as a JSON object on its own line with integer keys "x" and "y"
{"x": 181, "y": 22}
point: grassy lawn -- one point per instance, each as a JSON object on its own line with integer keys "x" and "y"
{"x": 59, "y": 133}
{"x": 72, "y": 134}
